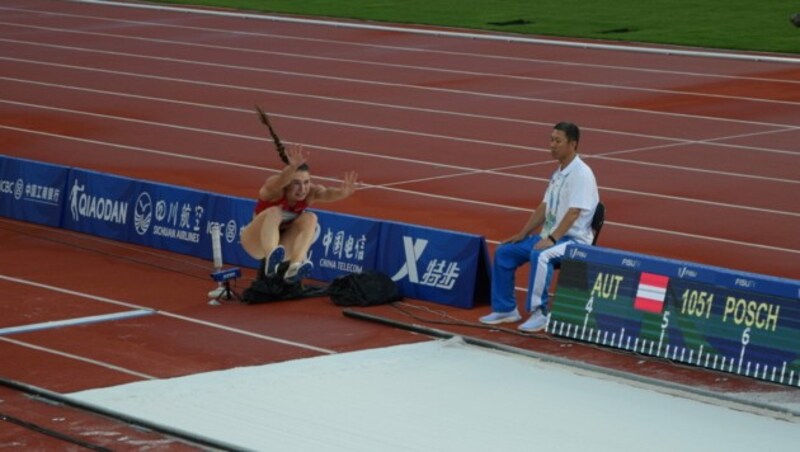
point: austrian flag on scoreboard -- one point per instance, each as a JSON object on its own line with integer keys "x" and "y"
{"x": 651, "y": 293}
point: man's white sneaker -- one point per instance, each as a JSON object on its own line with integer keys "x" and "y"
{"x": 501, "y": 317}
{"x": 536, "y": 322}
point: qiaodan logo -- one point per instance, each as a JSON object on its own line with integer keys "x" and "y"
{"x": 143, "y": 213}
{"x": 86, "y": 205}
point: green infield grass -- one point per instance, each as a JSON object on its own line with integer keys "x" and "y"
{"x": 755, "y": 25}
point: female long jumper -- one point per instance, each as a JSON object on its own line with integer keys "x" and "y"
{"x": 281, "y": 227}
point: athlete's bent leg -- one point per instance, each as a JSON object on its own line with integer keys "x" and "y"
{"x": 298, "y": 236}
{"x": 261, "y": 236}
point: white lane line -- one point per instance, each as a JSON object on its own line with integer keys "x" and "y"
{"x": 409, "y": 67}
{"x": 604, "y": 156}
{"x": 705, "y": 237}
{"x": 466, "y": 171}
{"x": 717, "y": 142}
{"x": 296, "y": 118}
{"x": 78, "y": 358}
{"x": 524, "y": 122}
{"x": 223, "y": 162}
{"x": 427, "y": 50}
{"x": 166, "y": 314}
{"x": 75, "y": 321}
{"x": 406, "y": 86}
{"x": 696, "y": 170}
{"x": 625, "y": 226}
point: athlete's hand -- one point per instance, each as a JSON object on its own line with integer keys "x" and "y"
{"x": 349, "y": 183}
{"x": 296, "y": 155}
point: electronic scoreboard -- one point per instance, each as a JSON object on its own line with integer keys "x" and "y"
{"x": 741, "y": 323}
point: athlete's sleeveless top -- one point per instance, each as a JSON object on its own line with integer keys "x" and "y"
{"x": 288, "y": 214}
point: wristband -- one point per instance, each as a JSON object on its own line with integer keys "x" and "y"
{"x": 552, "y": 239}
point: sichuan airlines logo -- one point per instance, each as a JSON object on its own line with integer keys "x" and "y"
{"x": 143, "y": 213}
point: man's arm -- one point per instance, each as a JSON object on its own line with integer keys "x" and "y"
{"x": 561, "y": 230}
{"x": 534, "y": 221}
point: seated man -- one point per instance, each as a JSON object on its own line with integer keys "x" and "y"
{"x": 564, "y": 215}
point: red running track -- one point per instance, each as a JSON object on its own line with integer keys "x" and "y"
{"x": 696, "y": 158}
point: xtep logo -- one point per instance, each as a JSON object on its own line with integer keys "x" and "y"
{"x": 413, "y": 250}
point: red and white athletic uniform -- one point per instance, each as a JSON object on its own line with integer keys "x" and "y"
{"x": 288, "y": 214}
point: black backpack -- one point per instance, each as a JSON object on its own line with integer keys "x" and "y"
{"x": 368, "y": 288}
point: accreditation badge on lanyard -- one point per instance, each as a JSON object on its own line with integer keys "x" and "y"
{"x": 553, "y": 199}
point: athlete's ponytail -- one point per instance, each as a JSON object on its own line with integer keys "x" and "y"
{"x": 278, "y": 145}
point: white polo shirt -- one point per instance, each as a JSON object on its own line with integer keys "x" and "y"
{"x": 574, "y": 186}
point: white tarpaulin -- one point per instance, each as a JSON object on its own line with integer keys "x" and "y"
{"x": 437, "y": 396}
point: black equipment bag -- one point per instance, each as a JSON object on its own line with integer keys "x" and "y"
{"x": 274, "y": 288}
{"x": 368, "y": 288}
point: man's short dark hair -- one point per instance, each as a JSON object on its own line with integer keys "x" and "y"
{"x": 572, "y": 131}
